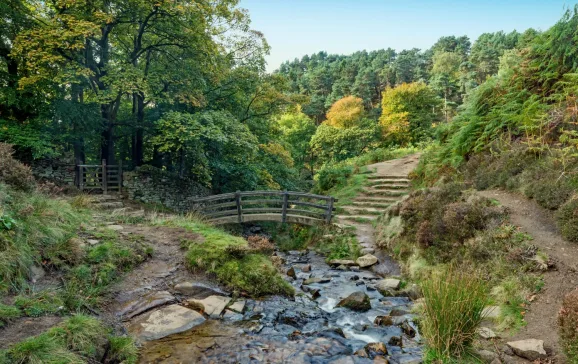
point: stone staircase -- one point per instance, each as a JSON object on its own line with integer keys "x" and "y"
{"x": 115, "y": 205}
{"x": 381, "y": 191}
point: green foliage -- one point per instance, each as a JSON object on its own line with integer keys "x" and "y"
{"x": 78, "y": 339}
{"x": 40, "y": 303}
{"x": 8, "y": 313}
{"x": 454, "y": 302}
{"x": 331, "y": 144}
{"x": 408, "y": 113}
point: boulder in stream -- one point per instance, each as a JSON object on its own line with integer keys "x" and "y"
{"x": 166, "y": 321}
{"x": 357, "y": 301}
{"x": 211, "y": 306}
{"x": 366, "y": 261}
{"x": 338, "y": 262}
{"x": 385, "y": 286}
{"x": 375, "y": 349}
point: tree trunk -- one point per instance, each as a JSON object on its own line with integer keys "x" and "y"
{"x": 138, "y": 134}
{"x": 107, "y": 136}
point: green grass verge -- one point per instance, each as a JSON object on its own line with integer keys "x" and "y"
{"x": 78, "y": 339}
{"x": 230, "y": 259}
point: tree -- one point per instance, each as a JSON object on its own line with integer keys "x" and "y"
{"x": 346, "y": 113}
{"x": 331, "y": 144}
{"x": 297, "y": 130}
{"x": 409, "y": 112}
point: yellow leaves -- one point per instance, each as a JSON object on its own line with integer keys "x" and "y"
{"x": 278, "y": 151}
{"x": 346, "y": 113}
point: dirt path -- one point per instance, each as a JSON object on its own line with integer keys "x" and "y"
{"x": 388, "y": 183}
{"x": 543, "y": 312}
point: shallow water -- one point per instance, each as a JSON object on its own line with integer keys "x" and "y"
{"x": 299, "y": 330}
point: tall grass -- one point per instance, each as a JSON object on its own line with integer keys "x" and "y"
{"x": 454, "y": 302}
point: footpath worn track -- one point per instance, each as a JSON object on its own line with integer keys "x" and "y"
{"x": 388, "y": 183}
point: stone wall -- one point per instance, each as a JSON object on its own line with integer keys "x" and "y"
{"x": 61, "y": 172}
{"x": 152, "y": 185}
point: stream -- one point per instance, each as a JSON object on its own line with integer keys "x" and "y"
{"x": 308, "y": 328}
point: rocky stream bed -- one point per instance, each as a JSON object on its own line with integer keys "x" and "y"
{"x": 338, "y": 315}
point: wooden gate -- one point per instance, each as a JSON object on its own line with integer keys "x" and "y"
{"x": 99, "y": 177}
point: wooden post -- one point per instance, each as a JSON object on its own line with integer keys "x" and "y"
{"x": 239, "y": 209}
{"x": 119, "y": 176}
{"x": 81, "y": 177}
{"x": 285, "y": 203}
{"x": 329, "y": 211}
{"x": 104, "y": 179}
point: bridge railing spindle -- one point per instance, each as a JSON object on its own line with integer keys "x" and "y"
{"x": 239, "y": 207}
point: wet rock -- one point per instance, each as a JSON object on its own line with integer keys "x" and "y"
{"x": 317, "y": 280}
{"x": 166, "y": 321}
{"x": 530, "y": 349}
{"x": 359, "y": 283}
{"x": 145, "y": 303}
{"x": 354, "y": 268}
{"x": 295, "y": 252}
{"x": 354, "y": 278}
{"x": 383, "y": 321}
{"x": 198, "y": 290}
{"x": 413, "y": 292}
{"x": 398, "y": 312}
{"x": 487, "y": 333}
{"x": 486, "y": 355}
{"x": 357, "y": 301}
{"x": 306, "y": 268}
{"x": 315, "y": 293}
{"x": 375, "y": 349}
{"x": 366, "y": 261}
{"x": 342, "y": 360}
{"x": 338, "y": 262}
{"x": 367, "y": 251}
{"x": 291, "y": 272}
{"x": 232, "y": 315}
{"x": 395, "y": 341}
{"x": 238, "y": 306}
{"x": 362, "y": 353}
{"x": 303, "y": 276}
{"x": 408, "y": 329}
{"x": 370, "y": 287}
{"x": 342, "y": 267}
{"x": 115, "y": 227}
{"x": 211, "y": 306}
{"x": 386, "y": 285}
{"x": 405, "y": 359}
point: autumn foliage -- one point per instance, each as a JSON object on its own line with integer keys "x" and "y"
{"x": 346, "y": 113}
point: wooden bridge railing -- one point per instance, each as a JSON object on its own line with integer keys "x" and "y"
{"x": 282, "y": 206}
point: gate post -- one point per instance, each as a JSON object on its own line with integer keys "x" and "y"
{"x": 104, "y": 178}
{"x": 285, "y": 203}
{"x": 239, "y": 209}
{"x": 119, "y": 176}
{"x": 329, "y": 211}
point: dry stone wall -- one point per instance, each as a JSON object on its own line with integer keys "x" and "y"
{"x": 154, "y": 186}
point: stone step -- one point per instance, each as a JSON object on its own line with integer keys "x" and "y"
{"x": 376, "y": 199}
{"x": 389, "y": 187}
{"x": 110, "y": 197}
{"x": 373, "y": 193}
{"x": 357, "y": 218}
{"x": 109, "y": 205}
{"x": 356, "y": 210}
{"x": 395, "y": 182}
{"x": 377, "y": 203}
{"x": 381, "y": 176}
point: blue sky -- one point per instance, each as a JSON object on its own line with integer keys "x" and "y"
{"x": 294, "y": 28}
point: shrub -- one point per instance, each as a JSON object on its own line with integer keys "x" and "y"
{"x": 454, "y": 302}
{"x": 568, "y": 322}
{"x": 331, "y": 175}
{"x": 14, "y": 173}
{"x": 567, "y": 220}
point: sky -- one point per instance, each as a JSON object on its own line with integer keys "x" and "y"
{"x": 294, "y": 28}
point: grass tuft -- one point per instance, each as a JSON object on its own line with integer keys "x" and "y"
{"x": 454, "y": 302}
